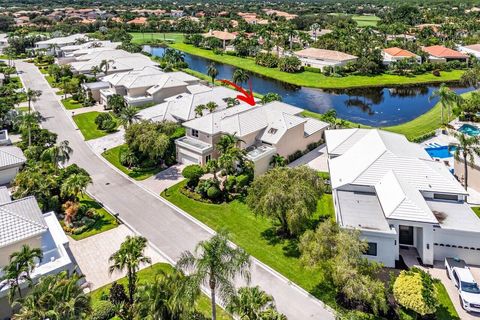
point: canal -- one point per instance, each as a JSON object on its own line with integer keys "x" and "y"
{"x": 374, "y": 106}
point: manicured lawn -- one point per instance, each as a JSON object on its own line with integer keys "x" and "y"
{"x": 258, "y": 237}
{"x": 476, "y": 210}
{"x": 446, "y": 310}
{"x": 146, "y": 37}
{"x": 365, "y": 21}
{"x": 113, "y": 156}
{"x": 317, "y": 80}
{"x": 71, "y": 104}
{"x": 51, "y": 81}
{"x": 427, "y": 122}
{"x": 148, "y": 275}
{"x": 106, "y": 222}
{"x": 86, "y": 123}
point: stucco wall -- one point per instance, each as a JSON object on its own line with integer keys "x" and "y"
{"x": 161, "y": 95}
{"x": 294, "y": 140}
{"x": 386, "y": 247}
{"x": 447, "y": 243}
{"x": 7, "y": 175}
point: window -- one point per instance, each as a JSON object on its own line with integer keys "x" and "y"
{"x": 208, "y": 158}
{"x": 372, "y": 249}
{"x": 272, "y": 131}
{"x": 194, "y": 133}
{"x": 441, "y": 196}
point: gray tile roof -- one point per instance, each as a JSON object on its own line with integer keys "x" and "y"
{"x": 19, "y": 220}
{"x": 10, "y": 156}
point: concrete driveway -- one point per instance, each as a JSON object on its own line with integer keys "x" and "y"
{"x": 164, "y": 179}
{"x": 107, "y": 142}
{"x": 315, "y": 159}
{"x": 92, "y": 255}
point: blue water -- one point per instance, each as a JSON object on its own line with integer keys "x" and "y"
{"x": 440, "y": 152}
{"x": 374, "y": 106}
{"x": 469, "y": 129}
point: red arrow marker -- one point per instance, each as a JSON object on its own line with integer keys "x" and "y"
{"x": 247, "y": 96}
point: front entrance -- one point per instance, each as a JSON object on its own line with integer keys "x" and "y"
{"x": 405, "y": 235}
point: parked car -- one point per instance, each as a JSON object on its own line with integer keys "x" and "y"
{"x": 468, "y": 290}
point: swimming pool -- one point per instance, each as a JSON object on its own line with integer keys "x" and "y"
{"x": 440, "y": 152}
{"x": 469, "y": 129}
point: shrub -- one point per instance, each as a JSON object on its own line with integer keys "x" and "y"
{"x": 117, "y": 294}
{"x": 110, "y": 125}
{"x": 436, "y": 73}
{"x": 414, "y": 290}
{"x": 103, "y": 310}
{"x": 214, "y": 193}
{"x": 204, "y": 185}
{"x": 242, "y": 182}
{"x": 192, "y": 173}
{"x": 312, "y": 69}
{"x": 230, "y": 183}
{"x": 290, "y": 64}
{"x": 266, "y": 60}
{"x": 102, "y": 119}
{"x": 423, "y": 137}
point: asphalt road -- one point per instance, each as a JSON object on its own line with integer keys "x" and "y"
{"x": 168, "y": 228}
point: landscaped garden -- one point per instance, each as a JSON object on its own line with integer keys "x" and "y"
{"x": 70, "y": 104}
{"x": 89, "y": 129}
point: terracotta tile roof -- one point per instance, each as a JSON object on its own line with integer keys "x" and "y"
{"x": 399, "y": 52}
{"x": 222, "y": 35}
{"x": 315, "y": 53}
{"x": 443, "y": 52}
{"x": 138, "y": 20}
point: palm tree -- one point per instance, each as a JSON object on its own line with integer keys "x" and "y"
{"x": 199, "y": 110}
{"x": 211, "y": 106}
{"x": 105, "y": 65}
{"x": 447, "y": 98}
{"x": 26, "y": 121}
{"x": 55, "y": 297}
{"x": 212, "y": 72}
{"x": 128, "y": 115}
{"x": 13, "y": 274}
{"x": 216, "y": 264}
{"x": 314, "y": 28}
{"x": 465, "y": 150}
{"x": 58, "y": 154}
{"x": 26, "y": 258}
{"x": 95, "y": 70}
{"x": 240, "y": 76}
{"x": 116, "y": 102}
{"x": 75, "y": 183}
{"x": 471, "y": 77}
{"x": 269, "y": 97}
{"x": 129, "y": 257}
{"x": 278, "y": 161}
{"x": 32, "y": 96}
{"x": 251, "y": 303}
{"x": 212, "y": 167}
{"x": 167, "y": 297}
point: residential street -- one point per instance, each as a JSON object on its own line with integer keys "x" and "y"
{"x": 166, "y": 227}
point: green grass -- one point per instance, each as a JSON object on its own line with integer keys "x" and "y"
{"x": 477, "y": 211}
{"x": 51, "y": 81}
{"x": 426, "y": 123}
{"x": 148, "y": 275}
{"x": 318, "y": 80}
{"x": 446, "y": 310}
{"x": 113, "y": 156}
{"x": 86, "y": 123}
{"x": 366, "y": 21}
{"x": 143, "y": 38}
{"x": 258, "y": 237}
{"x": 106, "y": 222}
{"x": 22, "y": 109}
{"x": 71, "y": 104}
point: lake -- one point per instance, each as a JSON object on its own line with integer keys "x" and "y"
{"x": 373, "y": 106}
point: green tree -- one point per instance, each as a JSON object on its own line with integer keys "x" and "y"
{"x": 75, "y": 184}
{"x": 199, "y": 110}
{"x": 58, "y": 154}
{"x": 471, "y": 77}
{"x": 32, "y": 96}
{"x": 211, "y": 106}
{"x": 252, "y": 303}
{"x": 212, "y": 72}
{"x": 27, "y": 121}
{"x": 128, "y": 115}
{"x": 56, "y": 296}
{"x": 95, "y": 70}
{"x": 105, "y": 65}
{"x": 286, "y": 195}
{"x": 216, "y": 264}
{"x": 26, "y": 258}
{"x": 193, "y": 173}
{"x": 116, "y": 103}
{"x": 448, "y": 98}
{"x": 278, "y": 161}
{"x": 130, "y": 257}
{"x": 466, "y": 149}
{"x": 240, "y": 76}
{"x": 269, "y": 97}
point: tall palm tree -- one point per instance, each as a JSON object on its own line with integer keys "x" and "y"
{"x": 212, "y": 72}
{"x": 447, "y": 99}
{"x": 240, "y": 76}
{"x": 199, "y": 110}
{"x": 167, "y": 297}
{"x": 56, "y": 296}
{"x": 129, "y": 257}
{"x": 116, "y": 102}
{"x": 216, "y": 264}
{"x": 314, "y": 28}
{"x": 26, "y": 121}
{"x": 251, "y": 303}
{"x": 95, "y": 70}
{"x": 26, "y": 258}
{"x": 128, "y": 115}
{"x": 226, "y": 142}
{"x": 58, "y": 154}
{"x": 13, "y": 275}
{"x": 105, "y": 65}
{"x": 75, "y": 184}
{"x": 212, "y": 167}
{"x": 32, "y": 96}
{"x": 465, "y": 150}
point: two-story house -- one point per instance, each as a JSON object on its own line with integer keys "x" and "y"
{"x": 274, "y": 128}
{"x": 400, "y": 199}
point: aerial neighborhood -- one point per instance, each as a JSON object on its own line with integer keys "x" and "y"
{"x": 240, "y": 160}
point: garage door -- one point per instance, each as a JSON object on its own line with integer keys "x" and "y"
{"x": 186, "y": 159}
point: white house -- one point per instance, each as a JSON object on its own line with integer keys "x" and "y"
{"x": 22, "y": 223}
{"x": 394, "y": 54}
{"x": 52, "y": 45}
{"x": 321, "y": 58}
{"x": 11, "y": 161}
{"x": 473, "y": 49}
{"x": 399, "y": 198}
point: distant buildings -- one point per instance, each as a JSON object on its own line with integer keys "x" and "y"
{"x": 321, "y": 58}
{"x": 395, "y": 54}
{"x": 225, "y": 36}
{"x": 443, "y": 54}
{"x": 52, "y": 45}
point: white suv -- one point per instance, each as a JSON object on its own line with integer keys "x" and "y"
{"x": 467, "y": 289}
